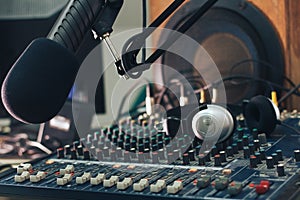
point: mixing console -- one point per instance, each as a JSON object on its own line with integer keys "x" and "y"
{"x": 120, "y": 162}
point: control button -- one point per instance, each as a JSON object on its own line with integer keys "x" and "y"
{"x": 99, "y": 154}
{"x": 141, "y": 157}
{"x": 127, "y": 156}
{"x": 24, "y": 167}
{"x": 235, "y": 188}
{"x": 21, "y": 178}
{"x": 253, "y": 161}
{"x": 207, "y": 156}
{"x": 155, "y": 156}
{"x": 159, "y": 186}
{"x": 263, "y": 187}
{"x": 280, "y": 170}
{"x": 258, "y": 158}
{"x": 256, "y": 144}
{"x": 73, "y": 154}
{"x": 86, "y": 155}
{"x": 201, "y": 160}
{"x": 223, "y": 156}
{"x": 111, "y": 182}
{"x": 217, "y": 160}
{"x": 229, "y": 151}
{"x": 76, "y": 144}
{"x": 262, "y": 139}
{"x": 38, "y": 177}
{"x": 185, "y": 159}
{"x": 127, "y": 182}
{"x": 275, "y": 158}
{"x": 113, "y": 156}
{"x": 60, "y": 153}
{"x": 245, "y": 140}
{"x": 141, "y": 185}
{"x": 246, "y": 152}
{"x": 67, "y": 149}
{"x": 203, "y": 181}
{"x": 270, "y": 163}
{"x": 262, "y": 154}
{"x": 64, "y": 180}
{"x": 69, "y": 169}
{"x": 191, "y": 155}
{"x": 98, "y": 179}
{"x": 214, "y": 151}
{"x": 251, "y": 148}
{"x": 84, "y": 178}
{"x": 80, "y": 150}
{"x": 255, "y": 133}
{"x": 297, "y": 155}
{"x": 235, "y": 148}
{"x": 240, "y": 144}
{"x": 161, "y": 154}
{"x": 221, "y": 183}
{"x": 240, "y": 133}
{"x": 279, "y": 155}
{"x": 176, "y": 187}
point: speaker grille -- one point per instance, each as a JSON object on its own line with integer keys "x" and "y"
{"x": 230, "y": 35}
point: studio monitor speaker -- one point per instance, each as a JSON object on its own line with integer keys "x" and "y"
{"x": 239, "y": 37}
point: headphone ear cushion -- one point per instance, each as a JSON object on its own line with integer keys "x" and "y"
{"x": 260, "y": 114}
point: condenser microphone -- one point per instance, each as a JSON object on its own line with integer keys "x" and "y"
{"x": 39, "y": 82}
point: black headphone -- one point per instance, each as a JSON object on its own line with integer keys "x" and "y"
{"x": 207, "y": 119}
{"x": 261, "y": 113}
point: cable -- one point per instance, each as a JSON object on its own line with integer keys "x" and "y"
{"x": 264, "y": 63}
{"x": 164, "y": 91}
{"x": 271, "y": 84}
{"x": 287, "y": 95}
{"x": 290, "y": 127}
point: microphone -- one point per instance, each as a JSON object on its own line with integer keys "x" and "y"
{"x": 39, "y": 82}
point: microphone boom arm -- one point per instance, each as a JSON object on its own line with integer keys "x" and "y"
{"x": 134, "y": 69}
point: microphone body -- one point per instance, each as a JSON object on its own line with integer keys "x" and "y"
{"x": 39, "y": 82}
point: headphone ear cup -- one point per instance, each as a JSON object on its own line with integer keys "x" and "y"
{"x": 215, "y": 122}
{"x": 260, "y": 113}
